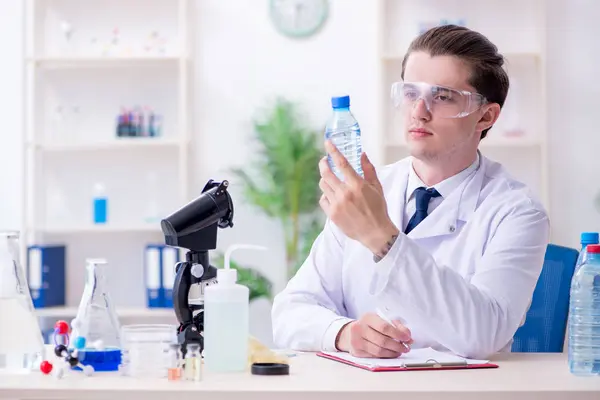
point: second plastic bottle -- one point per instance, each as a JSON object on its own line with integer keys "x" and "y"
{"x": 584, "y": 316}
{"x": 587, "y": 238}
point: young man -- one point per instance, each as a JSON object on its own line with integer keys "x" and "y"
{"x": 444, "y": 244}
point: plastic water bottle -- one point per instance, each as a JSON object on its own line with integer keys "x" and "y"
{"x": 344, "y": 132}
{"x": 584, "y": 316}
{"x": 587, "y": 238}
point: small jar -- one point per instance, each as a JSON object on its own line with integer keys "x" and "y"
{"x": 193, "y": 363}
{"x": 174, "y": 369}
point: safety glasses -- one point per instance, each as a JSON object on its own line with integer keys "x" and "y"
{"x": 441, "y": 101}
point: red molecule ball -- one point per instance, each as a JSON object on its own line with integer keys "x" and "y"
{"x": 61, "y": 327}
{"x": 46, "y": 367}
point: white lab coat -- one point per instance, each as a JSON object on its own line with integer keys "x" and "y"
{"x": 461, "y": 281}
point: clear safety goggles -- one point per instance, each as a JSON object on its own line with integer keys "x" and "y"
{"x": 441, "y": 101}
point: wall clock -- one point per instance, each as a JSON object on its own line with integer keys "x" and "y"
{"x": 299, "y": 18}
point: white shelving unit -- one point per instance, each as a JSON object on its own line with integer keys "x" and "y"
{"x": 519, "y": 138}
{"x": 124, "y": 312}
{"x": 85, "y": 62}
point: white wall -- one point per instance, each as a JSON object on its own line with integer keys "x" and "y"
{"x": 11, "y": 98}
{"x": 573, "y": 63}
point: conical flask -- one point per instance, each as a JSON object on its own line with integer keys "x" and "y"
{"x": 21, "y": 343}
{"x": 97, "y": 321}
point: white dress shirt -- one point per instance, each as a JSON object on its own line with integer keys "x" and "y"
{"x": 461, "y": 280}
{"x": 444, "y": 188}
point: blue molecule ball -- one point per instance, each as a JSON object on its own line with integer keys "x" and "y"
{"x": 79, "y": 343}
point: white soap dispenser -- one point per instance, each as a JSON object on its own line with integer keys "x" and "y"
{"x": 226, "y": 319}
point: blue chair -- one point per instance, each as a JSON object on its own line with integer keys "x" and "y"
{"x": 546, "y": 323}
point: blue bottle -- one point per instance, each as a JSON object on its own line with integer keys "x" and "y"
{"x": 587, "y": 238}
{"x": 100, "y": 204}
{"x": 344, "y": 132}
{"x": 584, "y": 316}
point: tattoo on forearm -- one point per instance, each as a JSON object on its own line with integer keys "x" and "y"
{"x": 379, "y": 256}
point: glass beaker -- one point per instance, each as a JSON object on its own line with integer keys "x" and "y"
{"x": 97, "y": 321}
{"x": 21, "y": 343}
{"x": 145, "y": 349}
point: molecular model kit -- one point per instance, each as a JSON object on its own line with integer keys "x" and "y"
{"x": 67, "y": 358}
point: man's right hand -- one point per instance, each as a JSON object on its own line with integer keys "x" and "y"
{"x": 372, "y": 337}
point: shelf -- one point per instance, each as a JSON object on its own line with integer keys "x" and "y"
{"x": 83, "y": 64}
{"x": 116, "y": 144}
{"x": 151, "y": 228}
{"x": 102, "y": 62}
{"x": 123, "y": 312}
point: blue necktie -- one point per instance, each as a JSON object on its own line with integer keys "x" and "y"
{"x": 422, "y": 197}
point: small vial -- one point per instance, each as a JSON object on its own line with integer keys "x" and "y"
{"x": 193, "y": 363}
{"x": 174, "y": 371}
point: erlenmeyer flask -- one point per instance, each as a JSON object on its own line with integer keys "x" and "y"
{"x": 97, "y": 321}
{"x": 21, "y": 343}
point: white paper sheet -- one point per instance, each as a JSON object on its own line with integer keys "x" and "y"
{"x": 414, "y": 356}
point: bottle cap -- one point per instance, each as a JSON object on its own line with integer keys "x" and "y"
{"x": 593, "y": 248}
{"x": 340, "y": 101}
{"x": 226, "y": 276}
{"x": 270, "y": 369}
{"x": 589, "y": 238}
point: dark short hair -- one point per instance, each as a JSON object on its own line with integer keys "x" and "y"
{"x": 487, "y": 75}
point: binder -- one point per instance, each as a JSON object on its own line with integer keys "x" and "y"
{"x": 170, "y": 257}
{"x": 153, "y": 272}
{"x": 46, "y": 275}
{"x": 420, "y": 360}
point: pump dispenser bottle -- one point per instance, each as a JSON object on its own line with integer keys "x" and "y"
{"x": 226, "y": 321}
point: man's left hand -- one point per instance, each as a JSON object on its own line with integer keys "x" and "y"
{"x": 357, "y": 205}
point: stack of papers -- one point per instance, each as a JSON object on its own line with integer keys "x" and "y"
{"x": 412, "y": 358}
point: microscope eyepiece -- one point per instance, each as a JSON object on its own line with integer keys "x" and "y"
{"x": 194, "y": 225}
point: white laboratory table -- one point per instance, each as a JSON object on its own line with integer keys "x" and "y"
{"x": 519, "y": 377}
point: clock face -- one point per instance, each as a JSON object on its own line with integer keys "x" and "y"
{"x": 299, "y": 18}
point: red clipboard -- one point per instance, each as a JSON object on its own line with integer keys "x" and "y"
{"x": 433, "y": 366}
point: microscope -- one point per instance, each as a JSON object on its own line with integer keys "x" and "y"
{"x": 194, "y": 227}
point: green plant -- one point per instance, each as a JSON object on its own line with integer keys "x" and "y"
{"x": 283, "y": 180}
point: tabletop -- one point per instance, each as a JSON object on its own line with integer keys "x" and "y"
{"x": 519, "y": 376}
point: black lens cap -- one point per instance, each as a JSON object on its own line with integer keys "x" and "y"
{"x": 270, "y": 369}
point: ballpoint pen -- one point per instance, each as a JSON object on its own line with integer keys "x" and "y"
{"x": 389, "y": 321}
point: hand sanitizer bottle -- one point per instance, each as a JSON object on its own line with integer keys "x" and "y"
{"x": 226, "y": 331}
